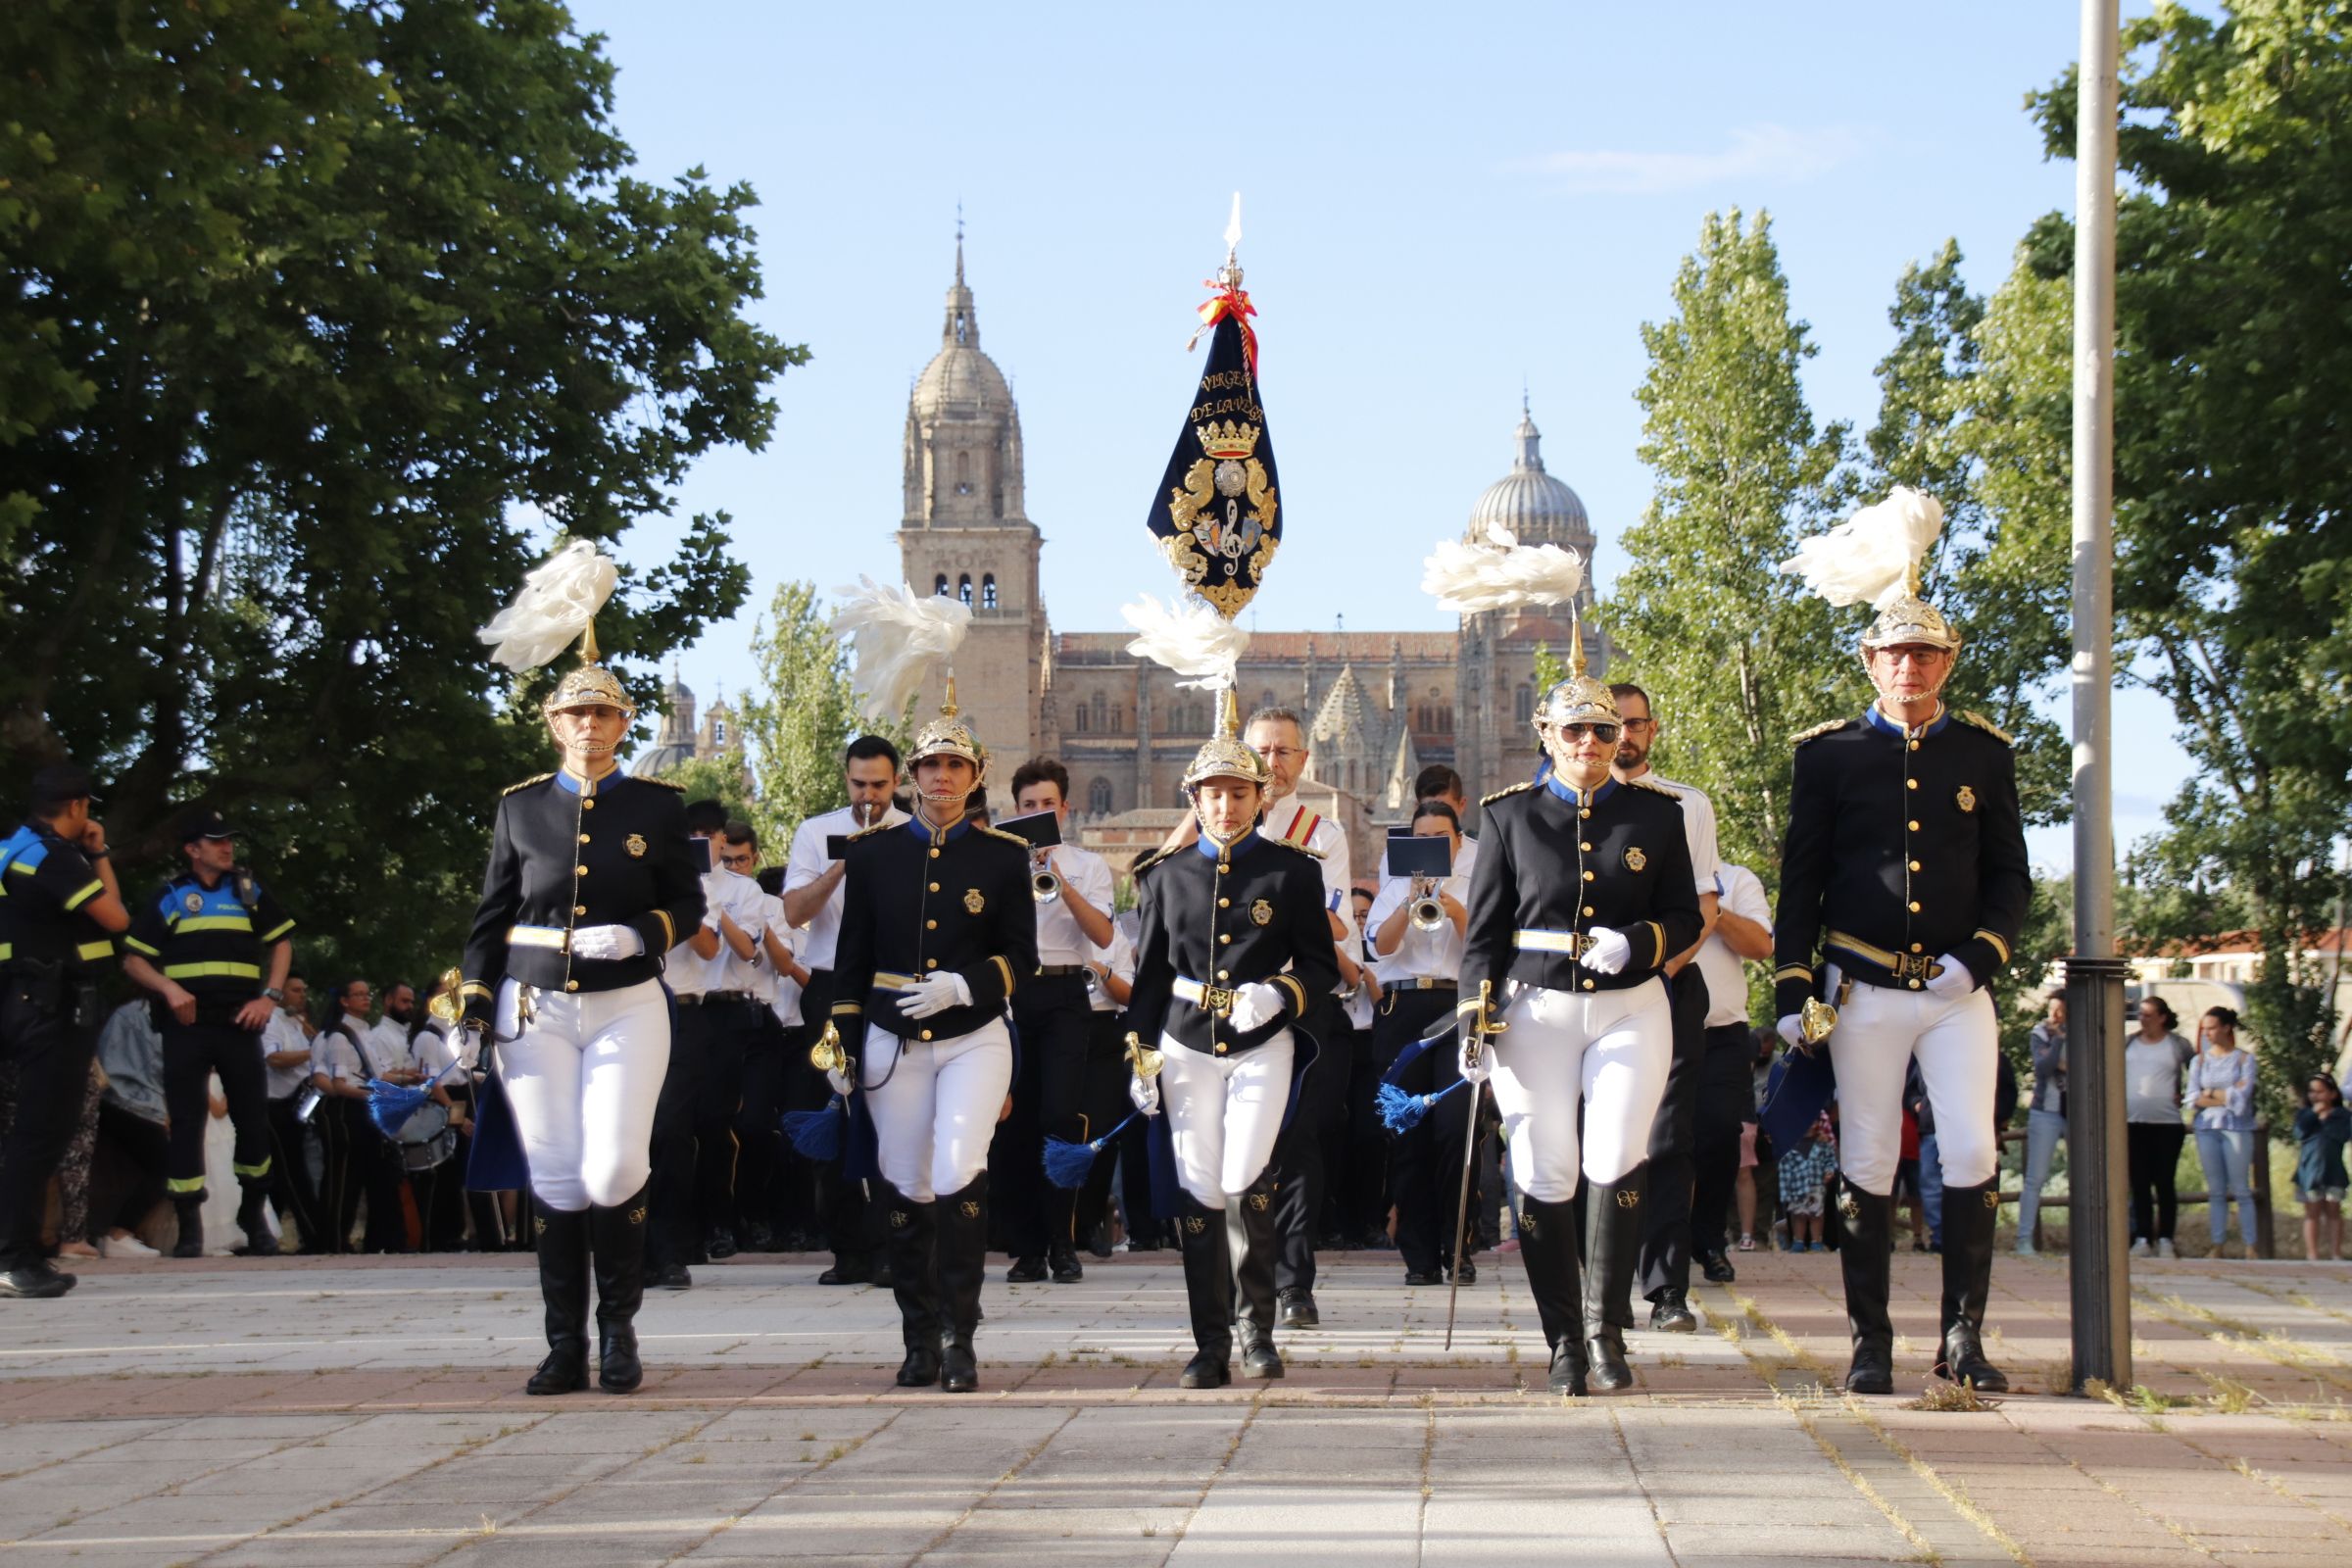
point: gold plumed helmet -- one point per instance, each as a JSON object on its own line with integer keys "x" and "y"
{"x": 949, "y": 735}
{"x": 1579, "y": 699}
{"x": 589, "y": 684}
{"x": 1911, "y": 619}
{"x": 1223, "y": 756}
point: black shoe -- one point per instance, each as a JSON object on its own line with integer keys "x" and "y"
{"x": 1025, "y": 1271}
{"x": 1963, "y": 1361}
{"x": 961, "y": 1252}
{"x": 1258, "y": 1357}
{"x": 881, "y": 1272}
{"x": 847, "y": 1271}
{"x": 1605, "y": 1351}
{"x": 1864, "y": 1270}
{"x": 1467, "y": 1274}
{"x": 720, "y": 1245}
{"x": 1378, "y": 1241}
{"x": 1205, "y": 1371}
{"x": 1669, "y": 1314}
{"x": 1969, "y": 1214}
{"x": 1422, "y": 1276}
{"x": 673, "y": 1277}
{"x": 616, "y": 1244}
{"x": 1872, "y": 1371}
{"x": 1067, "y": 1270}
{"x": 1099, "y": 1243}
{"x": 1295, "y": 1310}
{"x": 253, "y": 1220}
{"x": 562, "y": 1257}
{"x": 564, "y": 1371}
{"x": 920, "y": 1369}
{"x": 959, "y": 1368}
{"x": 191, "y": 1228}
{"x": 760, "y": 1239}
{"x": 1717, "y": 1268}
{"x": 34, "y": 1281}
{"x": 1613, "y": 1225}
{"x": 1567, "y": 1370}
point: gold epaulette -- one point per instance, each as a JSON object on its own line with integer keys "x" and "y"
{"x": 1818, "y": 731}
{"x": 1312, "y": 855}
{"x": 526, "y": 784}
{"x": 1655, "y": 787}
{"x": 1524, "y": 784}
{"x": 665, "y": 783}
{"x": 1153, "y": 859}
{"x": 1972, "y": 716}
{"x": 996, "y": 832}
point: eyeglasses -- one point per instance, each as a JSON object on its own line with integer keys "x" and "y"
{"x": 733, "y": 861}
{"x": 1278, "y": 754}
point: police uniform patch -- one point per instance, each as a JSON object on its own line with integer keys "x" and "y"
{"x": 636, "y": 845}
{"x": 192, "y": 901}
{"x": 1636, "y": 861}
{"x": 1966, "y": 800}
{"x": 973, "y": 903}
{"x": 1262, "y": 911}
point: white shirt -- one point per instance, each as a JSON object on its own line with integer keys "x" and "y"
{"x": 1088, "y": 874}
{"x": 1421, "y": 954}
{"x": 1358, "y": 1005}
{"x": 783, "y": 992}
{"x": 738, "y": 898}
{"x": 335, "y": 1055}
{"x": 1120, "y": 956}
{"x": 809, "y": 861}
{"x": 284, "y": 1034}
{"x": 1698, "y": 828}
{"x": 1741, "y": 894}
{"x": 1283, "y": 820}
{"x": 433, "y": 1049}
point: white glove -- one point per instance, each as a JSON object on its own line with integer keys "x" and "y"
{"x": 1479, "y": 1072}
{"x": 1143, "y": 1094}
{"x": 604, "y": 943}
{"x": 839, "y": 1080}
{"x": 1255, "y": 1005}
{"x": 1609, "y": 952}
{"x": 1955, "y": 982}
{"x": 1792, "y": 1029}
{"x": 468, "y": 1042}
{"x": 934, "y": 994}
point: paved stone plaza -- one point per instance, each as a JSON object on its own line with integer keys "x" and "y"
{"x": 369, "y": 1412}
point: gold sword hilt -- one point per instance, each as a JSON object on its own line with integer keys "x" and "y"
{"x": 828, "y": 1055}
{"x": 1143, "y": 1059}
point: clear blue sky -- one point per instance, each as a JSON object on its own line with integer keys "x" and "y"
{"x": 1439, "y": 204}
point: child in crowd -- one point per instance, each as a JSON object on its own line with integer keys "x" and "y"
{"x": 2322, "y": 1127}
{"x": 1804, "y": 1174}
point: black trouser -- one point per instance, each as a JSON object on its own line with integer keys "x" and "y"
{"x": 1425, "y": 1164}
{"x": 1726, "y": 1102}
{"x": 853, "y": 1225}
{"x": 1343, "y": 1045}
{"x": 292, "y": 1192}
{"x": 1055, "y": 1019}
{"x": 2153, "y": 1151}
{"x": 1363, "y": 1188}
{"x": 672, "y": 1232}
{"x": 758, "y": 1135}
{"x": 1665, "y": 1258}
{"x": 1134, "y": 1150}
{"x": 1299, "y": 1158}
{"x": 1104, "y": 1099}
{"x": 359, "y": 1161}
{"x": 192, "y": 1053}
{"x": 127, "y": 1171}
{"x": 731, "y": 1034}
{"x": 48, "y": 1029}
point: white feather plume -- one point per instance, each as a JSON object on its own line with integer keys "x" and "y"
{"x": 1467, "y": 577}
{"x": 559, "y": 598}
{"x": 1868, "y": 558}
{"x": 1189, "y": 638}
{"x": 898, "y": 635}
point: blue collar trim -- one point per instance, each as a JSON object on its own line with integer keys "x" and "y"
{"x": 1876, "y": 717}
{"x": 924, "y": 830}
{"x": 1608, "y": 787}
{"x": 1240, "y": 846}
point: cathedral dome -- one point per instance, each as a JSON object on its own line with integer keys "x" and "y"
{"x": 674, "y": 744}
{"x": 1538, "y": 508}
{"x": 960, "y": 381}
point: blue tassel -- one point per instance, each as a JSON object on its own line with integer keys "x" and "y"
{"x": 390, "y": 1105}
{"x": 1068, "y": 1164}
{"x": 1400, "y": 1112}
{"x": 817, "y": 1134}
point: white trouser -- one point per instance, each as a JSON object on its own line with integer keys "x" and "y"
{"x": 935, "y": 1106}
{"x": 1610, "y": 1047}
{"x": 1224, "y": 1113}
{"x": 1957, "y": 1041}
{"x": 583, "y": 1079}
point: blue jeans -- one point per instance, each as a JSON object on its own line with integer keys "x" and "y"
{"x": 2229, "y": 1161}
{"x": 2043, "y": 1129}
{"x": 1931, "y": 1188}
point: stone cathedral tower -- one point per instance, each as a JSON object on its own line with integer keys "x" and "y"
{"x": 965, "y": 533}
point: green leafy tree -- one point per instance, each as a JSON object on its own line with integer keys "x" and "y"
{"x": 312, "y": 315}
{"x": 801, "y": 714}
{"x": 2234, "y": 369}
{"x": 1734, "y": 655}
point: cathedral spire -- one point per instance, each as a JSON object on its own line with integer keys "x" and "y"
{"x": 963, "y": 329}
{"x": 1530, "y": 455}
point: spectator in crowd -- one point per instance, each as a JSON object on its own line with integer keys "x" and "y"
{"x": 360, "y": 1159}
{"x": 1360, "y": 1190}
{"x": 2046, "y": 1117}
{"x": 2154, "y": 1058}
{"x": 2322, "y": 1128}
{"x": 2220, "y": 1101}
{"x": 1437, "y": 782}
{"x": 765, "y": 1193}
{"x": 73, "y": 1174}
{"x": 1763, "y": 1044}
{"x": 1930, "y": 1160}
{"x": 1724, "y": 1127}
{"x": 1805, "y": 1173}
{"x": 286, "y": 1055}
{"x": 1906, "y": 1181}
{"x": 133, "y": 1130}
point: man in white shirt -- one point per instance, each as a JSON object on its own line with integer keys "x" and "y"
{"x": 772, "y": 975}
{"x": 1742, "y": 934}
{"x": 286, "y": 1061}
{"x": 1111, "y": 980}
{"x": 349, "y": 1051}
{"x": 1420, "y": 971}
{"x": 1362, "y": 1183}
{"x": 1664, "y": 1262}
{"x": 813, "y": 904}
{"x": 1055, "y": 1019}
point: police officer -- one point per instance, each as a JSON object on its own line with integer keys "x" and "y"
{"x": 1904, "y": 869}
{"x": 591, "y": 880}
{"x": 201, "y": 945}
{"x": 938, "y": 933}
{"x": 1235, "y": 951}
{"x": 1583, "y": 891}
{"x": 60, "y": 908}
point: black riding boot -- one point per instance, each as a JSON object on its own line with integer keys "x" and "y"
{"x": 1548, "y": 1247}
{"x": 1260, "y": 1359}
{"x": 911, "y": 1239}
{"x": 962, "y": 1267}
{"x": 191, "y": 1226}
{"x": 1208, "y": 1295}
{"x": 1869, "y": 1226}
{"x": 563, "y": 1288}
{"x": 1613, "y": 1211}
{"x": 1969, "y": 1214}
{"x": 253, "y": 1218}
{"x": 616, "y": 1242}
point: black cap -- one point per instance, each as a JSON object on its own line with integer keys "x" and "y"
{"x": 60, "y": 784}
{"x": 203, "y": 824}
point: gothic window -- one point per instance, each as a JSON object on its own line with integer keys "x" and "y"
{"x": 1445, "y": 718}
{"x": 1522, "y": 704}
{"x": 1097, "y": 798}
{"x": 1078, "y": 719}
{"x": 941, "y": 587}
{"x": 988, "y": 591}
{"x": 963, "y": 588}
{"x": 1422, "y": 720}
{"x": 964, "y": 473}
{"x": 718, "y": 733}
{"x": 1102, "y": 714}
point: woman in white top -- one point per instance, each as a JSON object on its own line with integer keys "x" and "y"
{"x": 2153, "y": 1060}
{"x": 2221, "y": 1103}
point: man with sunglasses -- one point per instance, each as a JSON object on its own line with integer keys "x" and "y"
{"x": 1583, "y": 891}
{"x": 1904, "y": 864}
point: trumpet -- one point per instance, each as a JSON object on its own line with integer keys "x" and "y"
{"x": 1043, "y": 885}
{"x": 1426, "y": 912}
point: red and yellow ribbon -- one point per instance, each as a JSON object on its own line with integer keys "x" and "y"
{"x": 1231, "y": 300}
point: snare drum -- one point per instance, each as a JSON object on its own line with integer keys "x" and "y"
{"x": 426, "y": 1138}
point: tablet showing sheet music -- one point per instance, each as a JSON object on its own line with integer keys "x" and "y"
{"x": 1420, "y": 856}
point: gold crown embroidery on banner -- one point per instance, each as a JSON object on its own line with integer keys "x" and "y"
{"x": 1232, "y": 439}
